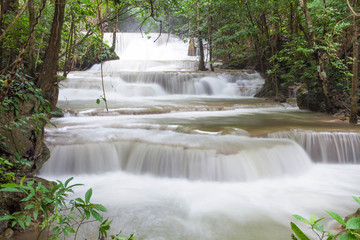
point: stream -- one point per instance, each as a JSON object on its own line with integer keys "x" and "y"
{"x": 183, "y": 154}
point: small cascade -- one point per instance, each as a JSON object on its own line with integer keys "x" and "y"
{"x": 87, "y": 85}
{"x": 327, "y": 147}
{"x": 146, "y": 66}
{"x": 173, "y": 155}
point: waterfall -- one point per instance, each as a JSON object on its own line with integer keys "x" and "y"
{"x": 176, "y": 157}
{"x": 327, "y": 147}
{"x": 148, "y": 68}
{"x": 132, "y": 84}
{"x": 170, "y": 154}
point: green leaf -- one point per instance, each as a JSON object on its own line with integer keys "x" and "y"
{"x": 21, "y": 223}
{"x": 79, "y": 200}
{"x": 98, "y": 101}
{"x": 96, "y": 215}
{"x": 337, "y": 217}
{"x": 6, "y": 218}
{"x": 347, "y": 236}
{"x": 30, "y": 196}
{"x": 100, "y": 207}
{"x": 88, "y": 195}
{"x": 10, "y": 189}
{"x": 312, "y": 219}
{"x": 69, "y": 229}
{"x": 300, "y": 218}
{"x": 353, "y": 223}
{"x": 319, "y": 227}
{"x": 357, "y": 199}
{"x": 55, "y": 188}
{"x": 87, "y": 214}
{"x": 36, "y": 213}
{"x": 106, "y": 228}
{"x": 28, "y": 220}
{"x": 30, "y": 206}
{"x": 318, "y": 220}
{"x": 74, "y": 185}
{"x": 13, "y": 185}
{"x": 67, "y": 181}
{"x": 298, "y": 232}
{"x": 22, "y": 180}
{"x": 106, "y": 222}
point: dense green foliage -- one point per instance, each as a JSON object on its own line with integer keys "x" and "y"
{"x": 351, "y": 227}
{"x": 53, "y": 210}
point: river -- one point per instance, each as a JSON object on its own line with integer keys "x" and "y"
{"x": 183, "y": 154}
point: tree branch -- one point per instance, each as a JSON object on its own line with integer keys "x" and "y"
{"x": 152, "y": 15}
{"x": 352, "y": 10}
{"x": 15, "y": 19}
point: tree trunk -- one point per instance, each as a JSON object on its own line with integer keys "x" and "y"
{"x": 112, "y": 49}
{"x": 355, "y": 72}
{"x": 191, "y": 48}
{"x": 320, "y": 59}
{"x": 201, "y": 46}
{"x": 210, "y": 38}
{"x": 115, "y": 31}
{"x": 303, "y": 5}
{"x": 48, "y": 80}
{"x": 31, "y": 56}
{"x": 202, "y": 55}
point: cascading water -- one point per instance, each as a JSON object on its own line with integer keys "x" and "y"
{"x": 176, "y": 157}
{"x": 169, "y": 154}
{"x": 328, "y": 147}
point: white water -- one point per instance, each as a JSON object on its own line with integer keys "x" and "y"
{"x": 175, "y": 157}
{"x": 329, "y": 147}
{"x": 170, "y": 154}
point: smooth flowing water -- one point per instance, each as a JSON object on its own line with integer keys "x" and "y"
{"x": 183, "y": 154}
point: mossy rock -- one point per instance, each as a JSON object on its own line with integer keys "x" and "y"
{"x": 22, "y": 137}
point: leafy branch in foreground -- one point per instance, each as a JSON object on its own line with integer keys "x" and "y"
{"x": 351, "y": 227}
{"x": 52, "y": 210}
